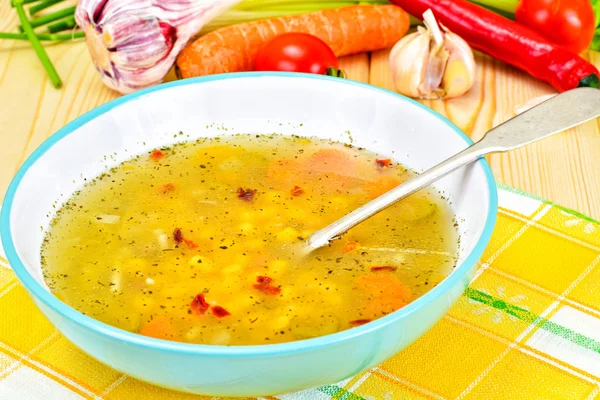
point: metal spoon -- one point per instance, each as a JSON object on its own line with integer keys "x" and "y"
{"x": 560, "y": 112}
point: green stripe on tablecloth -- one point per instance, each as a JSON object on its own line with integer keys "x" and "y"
{"x": 528, "y": 316}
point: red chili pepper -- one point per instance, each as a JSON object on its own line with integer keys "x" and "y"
{"x": 199, "y": 305}
{"x": 509, "y": 41}
{"x": 219, "y": 312}
{"x": 359, "y": 322}
{"x": 246, "y": 194}
{"x": 264, "y": 285}
{"x": 177, "y": 235}
{"x": 264, "y": 280}
{"x": 157, "y": 155}
{"x": 383, "y": 163}
{"x": 297, "y": 191}
{"x": 383, "y": 268}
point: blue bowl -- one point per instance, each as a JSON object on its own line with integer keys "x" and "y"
{"x": 307, "y": 105}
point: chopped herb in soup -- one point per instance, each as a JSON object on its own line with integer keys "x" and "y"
{"x": 200, "y": 242}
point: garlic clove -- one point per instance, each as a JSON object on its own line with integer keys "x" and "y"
{"x": 432, "y": 63}
{"x": 460, "y": 69}
{"x": 408, "y": 60}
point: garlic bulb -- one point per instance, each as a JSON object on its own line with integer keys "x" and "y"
{"x": 431, "y": 63}
{"x": 134, "y": 43}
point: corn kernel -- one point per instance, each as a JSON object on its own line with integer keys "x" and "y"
{"x": 256, "y": 244}
{"x": 280, "y": 322}
{"x": 246, "y": 227}
{"x": 277, "y": 267}
{"x": 232, "y": 268}
{"x": 192, "y": 333}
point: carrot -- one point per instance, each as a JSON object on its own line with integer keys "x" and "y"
{"x": 350, "y": 246}
{"x": 283, "y": 172}
{"x": 382, "y": 185}
{"x": 347, "y": 30}
{"x": 384, "y": 285}
{"x": 158, "y": 327}
{"x": 332, "y": 161}
{"x": 387, "y": 291}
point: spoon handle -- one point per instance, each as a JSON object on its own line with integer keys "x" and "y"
{"x": 560, "y": 112}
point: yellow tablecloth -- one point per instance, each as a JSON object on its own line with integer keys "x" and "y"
{"x": 528, "y": 327}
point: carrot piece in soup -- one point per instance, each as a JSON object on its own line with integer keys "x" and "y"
{"x": 169, "y": 187}
{"x": 383, "y": 163}
{"x": 384, "y": 305}
{"x": 190, "y": 243}
{"x": 381, "y": 186}
{"x": 157, "y": 155}
{"x": 283, "y": 172}
{"x": 384, "y": 285}
{"x": 387, "y": 291}
{"x": 332, "y": 161}
{"x": 350, "y": 246}
{"x": 297, "y": 191}
{"x": 158, "y": 327}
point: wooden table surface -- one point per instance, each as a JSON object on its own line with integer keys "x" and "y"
{"x": 564, "y": 168}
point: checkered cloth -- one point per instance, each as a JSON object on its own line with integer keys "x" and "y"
{"x": 528, "y": 327}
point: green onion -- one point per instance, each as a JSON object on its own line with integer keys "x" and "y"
{"x": 14, "y": 3}
{"x": 36, "y": 8}
{"x": 37, "y": 46}
{"x": 45, "y": 37}
{"x": 66, "y": 24}
{"x": 43, "y": 20}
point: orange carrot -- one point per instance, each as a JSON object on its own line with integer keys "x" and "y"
{"x": 283, "y": 172}
{"x": 350, "y": 246}
{"x": 327, "y": 161}
{"x": 158, "y": 327}
{"x": 382, "y": 185}
{"x": 384, "y": 285}
{"x": 347, "y": 30}
{"x": 387, "y": 291}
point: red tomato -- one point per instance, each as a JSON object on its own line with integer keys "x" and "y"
{"x": 567, "y": 23}
{"x": 295, "y": 52}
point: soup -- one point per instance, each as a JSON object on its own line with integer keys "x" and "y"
{"x": 200, "y": 242}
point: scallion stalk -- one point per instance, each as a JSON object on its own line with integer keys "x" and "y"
{"x": 14, "y": 3}
{"x": 42, "y": 5}
{"x": 45, "y": 19}
{"x": 37, "y": 46}
{"x": 65, "y": 24}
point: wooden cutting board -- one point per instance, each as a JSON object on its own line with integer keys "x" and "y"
{"x": 564, "y": 168}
